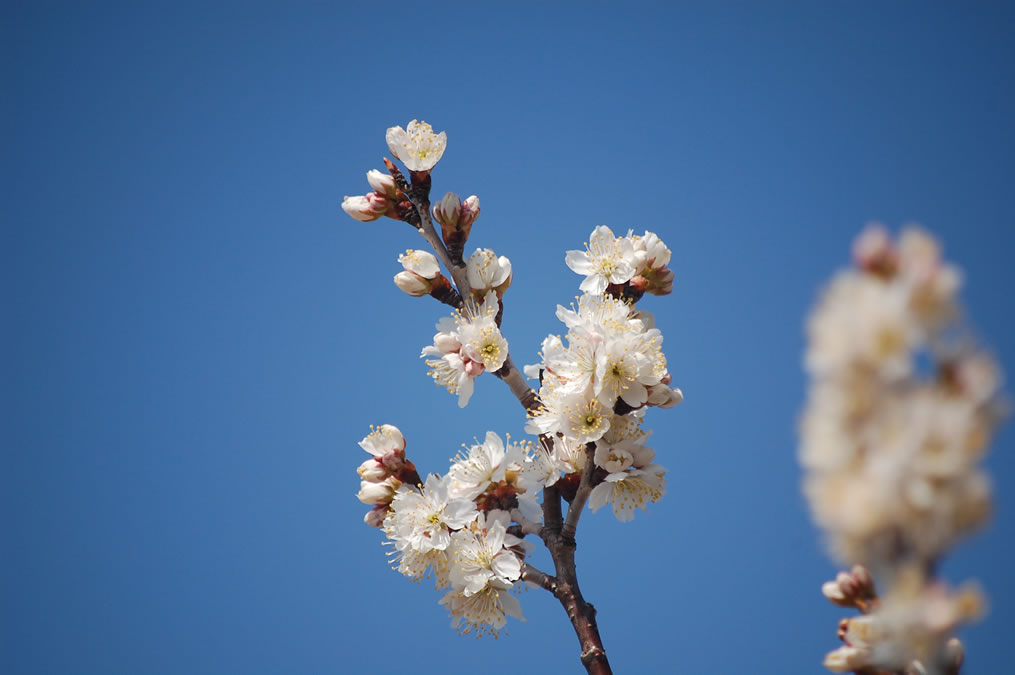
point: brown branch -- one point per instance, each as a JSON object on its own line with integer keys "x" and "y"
{"x": 541, "y": 579}
{"x": 581, "y": 613}
{"x": 513, "y": 378}
{"x": 574, "y": 511}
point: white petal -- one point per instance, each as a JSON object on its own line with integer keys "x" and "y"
{"x": 579, "y": 261}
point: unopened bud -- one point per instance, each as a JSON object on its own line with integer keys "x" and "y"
{"x": 446, "y": 343}
{"x": 832, "y": 591}
{"x": 660, "y": 280}
{"x": 873, "y": 251}
{"x": 470, "y": 211}
{"x": 375, "y": 516}
{"x": 365, "y": 208}
{"x": 382, "y": 183}
{"x": 372, "y": 471}
{"x": 412, "y": 283}
{"x": 473, "y": 368}
{"x": 378, "y": 493}
{"x": 447, "y": 211}
{"x": 955, "y": 653}
{"x": 664, "y": 396}
{"x": 456, "y": 221}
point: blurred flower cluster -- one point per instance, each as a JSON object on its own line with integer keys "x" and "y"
{"x": 901, "y": 409}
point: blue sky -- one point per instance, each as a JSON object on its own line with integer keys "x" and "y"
{"x": 197, "y": 336}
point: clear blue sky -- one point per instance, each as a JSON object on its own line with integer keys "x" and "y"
{"x": 196, "y": 336}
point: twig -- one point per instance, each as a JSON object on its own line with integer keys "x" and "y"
{"x": 541, "y": 579}
{"x": 574, "y": 512}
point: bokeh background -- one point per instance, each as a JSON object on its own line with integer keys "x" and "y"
{"x": 196, "y": 336}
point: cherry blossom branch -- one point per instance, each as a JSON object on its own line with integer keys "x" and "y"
{"x": 539, "y": 578}
{"x": 419, "y": 194}
{"x": 513, "y": 378}
{"x": 581, "y": 613}
{"x": 574, "y": 512}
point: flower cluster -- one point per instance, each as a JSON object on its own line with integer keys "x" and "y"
{"x": 594, "y": 388}
{"x": 385, "y": 472}
{"x": 900, "y": 411}
{"x": 455, "y": 528}
{"x": 639, "y": 262}
{"x": 909, "y": 630}
{"x": 465, "y": 345}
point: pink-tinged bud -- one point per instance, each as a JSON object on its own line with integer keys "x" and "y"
{"x": 378, "y": 493}
{"x": 372, "y": 471}
{"x": 448, "y": 210}
{"x": 673, "y": 397}
{"x": 365, "y": 208}
{"x": 832, "y": 591}
{"x": 873, "y": 251}
{"x": 473, "y": 368}
{"x": 412, "y": 284}
{"x": 382, "y": 183}
{"x": 446, "y": 343}
{"x": 375, "y": 516}
{"x": 469, "y": 213}
{"x": 955, "y": 653}
{"x": 659, "y": 281}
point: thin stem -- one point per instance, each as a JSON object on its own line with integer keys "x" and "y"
{"x": 574, "y": 512}
{"x": 516, "y": 382}
{"x": 541, "y": 579}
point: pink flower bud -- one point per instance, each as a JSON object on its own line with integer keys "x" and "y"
{"x": 382, "y": 183}
{"x": 446, "y": 343}
{"x": 473, "y": 368}
{"x": 372, "y": 471}
{"x": 378, "y": 493}
{"x": 365, "y": 208}
{"x": 375, "y": 516}
{"x": 469, "y": 213}
{"x": 447, "y": 211}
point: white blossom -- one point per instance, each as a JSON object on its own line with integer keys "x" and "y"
{"x": 424, "y": 519}
{"x": 606, "y": 260}
{"x": 628, "y": 490}
{"x": 417, "y": 146}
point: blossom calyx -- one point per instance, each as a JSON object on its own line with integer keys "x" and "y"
{"x": 456, "y": 218}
